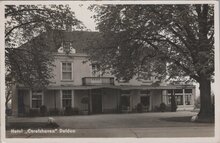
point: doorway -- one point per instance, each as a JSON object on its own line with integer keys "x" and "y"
{"x": 96, "y": 103}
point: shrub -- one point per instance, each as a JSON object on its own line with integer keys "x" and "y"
{"x": 54, "y": 112}
{"x": 43, "y": 110}
{"x": 68, "y": 111}
{"x": 33, "y": 112}
{"x": 139, "y": 108}
{"x": 162, "y": 107}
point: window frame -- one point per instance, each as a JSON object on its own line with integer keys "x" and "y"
{"x": 66, "y": 71}
{"x": 38, "y": 94}
{"x": 71, "y": 98}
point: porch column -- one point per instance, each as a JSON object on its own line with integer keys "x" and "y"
{"x": 118, "y": 100}
{"x": 30, "y": 92}
{"x": 73, "y": 92}
{"x": 89, "y": 96}
{"x": 184, "y": 104}
{"x": 55, "y": 99}
{"x": 193, "y": 97}
{"x": 61, "y": 104}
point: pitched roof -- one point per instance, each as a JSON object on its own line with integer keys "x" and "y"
{"x": 81, "y": 40}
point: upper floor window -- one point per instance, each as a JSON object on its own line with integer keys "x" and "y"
{"x": 66, "y": 71}
{"x": 37, "y": 97}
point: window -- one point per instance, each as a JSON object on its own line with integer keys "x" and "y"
{"x": 178, "y": 91}
{"x": 188, "y": 99}
{"x": 179, "y": 99}
{"x": 37, "y": 99}
{"x": 188, "y": 90}
{"x": 67, "y": 98}
{"x": 67, "y": 71}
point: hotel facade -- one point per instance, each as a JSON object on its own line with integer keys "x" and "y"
{"x": 76, "y": 81}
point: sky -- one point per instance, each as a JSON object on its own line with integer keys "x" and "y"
{"x": 84, "y": 15}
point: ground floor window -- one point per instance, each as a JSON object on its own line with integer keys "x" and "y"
{"x": 179, "y": 99}
{"x": 37, "y": 99}
{"x": 188, "y": 99}
{"x": 66, "y": 98}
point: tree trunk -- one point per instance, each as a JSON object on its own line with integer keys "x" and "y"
{"x": 173, "y": 102}
{"x": 206, "y": 113}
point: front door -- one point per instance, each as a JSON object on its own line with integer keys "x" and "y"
{"x": 96, "y": 103}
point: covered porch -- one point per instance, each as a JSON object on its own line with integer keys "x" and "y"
{"x": 100, "y": 99}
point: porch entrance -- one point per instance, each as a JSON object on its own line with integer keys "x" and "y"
{"x": 96, "y": 103}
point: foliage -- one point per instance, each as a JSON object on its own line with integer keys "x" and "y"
{"x": 169, "y": 40}
{"x": 180, "y": 35}
{"x": 31, "y": 63}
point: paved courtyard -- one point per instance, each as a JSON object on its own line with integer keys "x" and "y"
{"x": 167, "y": 124}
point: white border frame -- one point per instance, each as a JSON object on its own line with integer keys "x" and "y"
{"x": 108, "y": 140}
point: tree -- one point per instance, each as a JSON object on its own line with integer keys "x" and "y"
{"x": 144, "y": 38}
{"x": 32, "y": 63}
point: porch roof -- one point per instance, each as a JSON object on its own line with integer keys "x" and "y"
{"x": 122, "y": 87}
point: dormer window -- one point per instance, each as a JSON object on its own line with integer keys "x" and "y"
{"x": 67, "y": 47}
